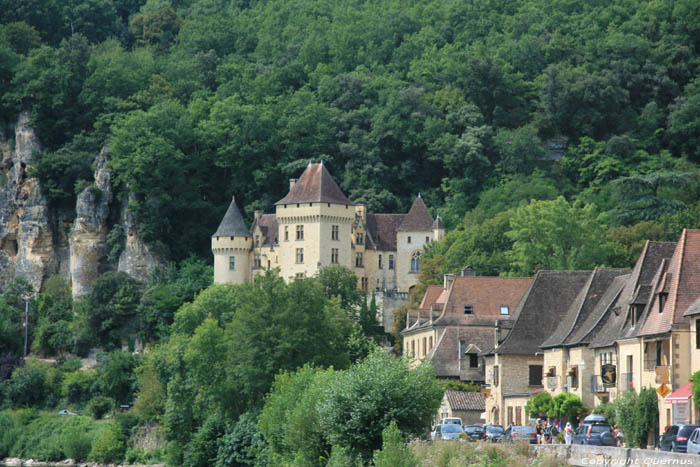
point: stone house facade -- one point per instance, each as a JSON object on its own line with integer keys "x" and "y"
{"x": 466, "y": 405}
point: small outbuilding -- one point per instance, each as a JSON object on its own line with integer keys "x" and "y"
{"x": 466, "y": 405}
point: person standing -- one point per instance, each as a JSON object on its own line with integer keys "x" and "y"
{"x": 568, "y": 433}
{"x": 538, "y": 431}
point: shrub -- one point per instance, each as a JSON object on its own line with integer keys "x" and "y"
{"x": 394, "y": 452}
{"x": 76, "y": 443}
{"x": 76, "y": 386}
{"x": 203, "y": 446}
{"x": 109, "y": 445}
{"x": 99, "y": 406}
{"x": 242, "y": 444}
{"x": 29, "y": 385}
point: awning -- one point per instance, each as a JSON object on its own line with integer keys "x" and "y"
{"x": 681, "y": 394}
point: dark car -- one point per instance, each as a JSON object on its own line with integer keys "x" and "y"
{"x": 675, "y": 438}
{"x": 494, "y": 433}
{"x": 475, "y": 432}
{"x": 595, "y": 434}
{"x": 520, "y": 432}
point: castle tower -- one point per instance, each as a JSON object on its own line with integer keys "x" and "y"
{"x": 438, "y": 229}
{"x": 315, "y": 220}
{"x": 231, "y": 245}
{"x": 414, "y": 233}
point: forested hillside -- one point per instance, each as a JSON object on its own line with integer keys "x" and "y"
{"x": 478, "y": 105}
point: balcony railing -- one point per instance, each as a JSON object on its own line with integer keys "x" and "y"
{"x": 597, "y": 385}
{"x": 627, "y": 382}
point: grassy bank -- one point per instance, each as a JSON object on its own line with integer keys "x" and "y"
{"x": 453, "y": 453}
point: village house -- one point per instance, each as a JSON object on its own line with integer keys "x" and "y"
{"x": 455, "y": 322}
{"x": 316, "y": 225}
{"x": 466, "y": 405}
{"x": 569, "y": 363}
{"x": 514, "y": 364}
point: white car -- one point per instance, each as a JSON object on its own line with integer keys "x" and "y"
{"x": 451, "y": 421}
{"x": 694, "y": 442}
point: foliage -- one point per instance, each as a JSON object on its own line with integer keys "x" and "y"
{"x": 539, "y": 405}
{"x": 695, "y": 379}
{"x": 111, "y": 304}
{"x": 608, "y": 410}
{"x": 76, "y": 444}
{"x": 201, "y": 451}
{"x": 99, "y": 406}
{"x": 360, "y": 402}
{"x": 242, "y": 444}
{"x": 625, "y": 416}
{"x": 109, "y": 445}
{"x": 567, "y": 405}
{"x": 394, "y": 451}
{"x": 455, "y": 385}
{"x": 647, "y": 416}
{"x": 642, "y": 197}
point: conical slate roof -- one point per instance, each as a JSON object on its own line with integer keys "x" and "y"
{"x": 316, "y": 185}
{"x": 418, "y": 218}
{"x": 232, "y": 225}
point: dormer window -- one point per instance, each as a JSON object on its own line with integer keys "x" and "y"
{"x": 504, "y": 310}
{"x": 473, "y": 360}
{"x": 257, "y": 240}
{"x": 468, "y": 310}
{"x": 359, "y": 238}
{"x": 662, "y": 302}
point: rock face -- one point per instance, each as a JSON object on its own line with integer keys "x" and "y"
{"x": 88, "y": 241}
{"x": 136, "y": 259}
{"x": 27, "y": 239}
{"x": 37, "y": 242}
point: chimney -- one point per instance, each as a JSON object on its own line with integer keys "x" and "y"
{"x": 292, "y": 182}
{"x": 496, "y": 334}
{"x": 448, "y": 280}
{"x": 258, "y": 214}
{"x": 468, "y": 271}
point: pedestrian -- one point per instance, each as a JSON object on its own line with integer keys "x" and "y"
{"x": 538, "y": 431}
{"x": 547, "y": 431}
{"x": 568, "y": 433}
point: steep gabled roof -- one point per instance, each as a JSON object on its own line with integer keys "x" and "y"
{"x": 232, "y": 225}
{"x": 541, "y": 310}
{"x": 579, "y": 311}
{"x": 269, "y": 228}
{"x": 681, "y": 281}
{"x": 445, "y": 354}
{"x": 382, "y": 228}
{"x": 418, "y": 218}
{"x": 316, "y": 185}
{"x": 603, "y": 322}
{"x": 463, "y": 400}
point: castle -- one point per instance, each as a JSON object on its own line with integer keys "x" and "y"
{"x": 316, "y": 225}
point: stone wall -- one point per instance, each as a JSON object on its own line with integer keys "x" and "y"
{"x": 579, "y": 455}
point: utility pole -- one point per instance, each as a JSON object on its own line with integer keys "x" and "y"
{"x": 26, "y": 324}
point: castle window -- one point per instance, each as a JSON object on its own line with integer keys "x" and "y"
{"x": 268, "y": 265}
{"x": 335, "y": 232}
{"x": 334, "y": 255}
{"x": 257, "y": 262}
{"x": 300, "y": 275}
{"x": 391, "y": 261}
{"x": 232, "y": 262}
{"x": 300, "y": 255}
{"x": 409, "y": 239}
{"x": 379, "y": 262}
{"x": 364, "y": 283}
{"x": 360, "y": 238}
{"x": 535, "y": 375}
{"x": 257, "y": 240}
{"x": 468, "y": 310}
{"x": 415, "y": 261}
{"x": 425, "y": 343}
{"x": 358, "y": 260}
{"x": 504, "y": 309}
{"x": 430, "y": 341}
{"x": 300, "y": 232}
{"x": 427, "y": 239}
{"x": 286, "y": 233}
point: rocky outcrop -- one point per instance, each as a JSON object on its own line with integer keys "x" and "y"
{"x": 27, "y": 239}
{"x": 88, "y": 241}
{"x": 136, "y": 259}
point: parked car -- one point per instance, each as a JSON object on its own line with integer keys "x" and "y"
{"x": 494, "y": 433}
{"x": 520, "y": 432}
{"x": 675, "y": 438}
{"x": 694, "y": 442}
{"x": 451, "y": 421}
{"x": 475, "y": 432}
{"x": 66, "y": 412}
{"x": 446, "y": 432}
{"x": 595, "y": 434}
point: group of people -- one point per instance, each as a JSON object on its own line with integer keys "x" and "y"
{"x": 546, "y": 431}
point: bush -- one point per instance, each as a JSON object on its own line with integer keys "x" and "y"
{"x": 99, "y": 406}
{"x": 76, "y": 386}
{"x": 242, "y": 444}
{"x": 76, "y": 444}
{"x": 109, "y": 445}
{"x": 203, "y": 447}
{"x": 394, "y": 451}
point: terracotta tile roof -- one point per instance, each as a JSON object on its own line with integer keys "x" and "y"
{"x": 316, "y": 185}
{"x": 541, "y": 310}
{"x": 462, "y": 400}
{"x": 581, "y": 308}
{"x": 232, "y": 225}
{"x": 681, "y": 282}
{"x": 432, "y": 293}
{"x": 693, "y": 309}
{"x": 485, "y": 295}
{"x": 382, "y": 228}
{"x": 418, "y": 218}
{"x": 269, "y": 227}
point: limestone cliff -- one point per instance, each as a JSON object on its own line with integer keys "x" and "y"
{"x": 37, "y": 242}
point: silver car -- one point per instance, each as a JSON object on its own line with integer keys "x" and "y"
{"x": 694, "y": 442}
{"x": 446, "y": 432}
